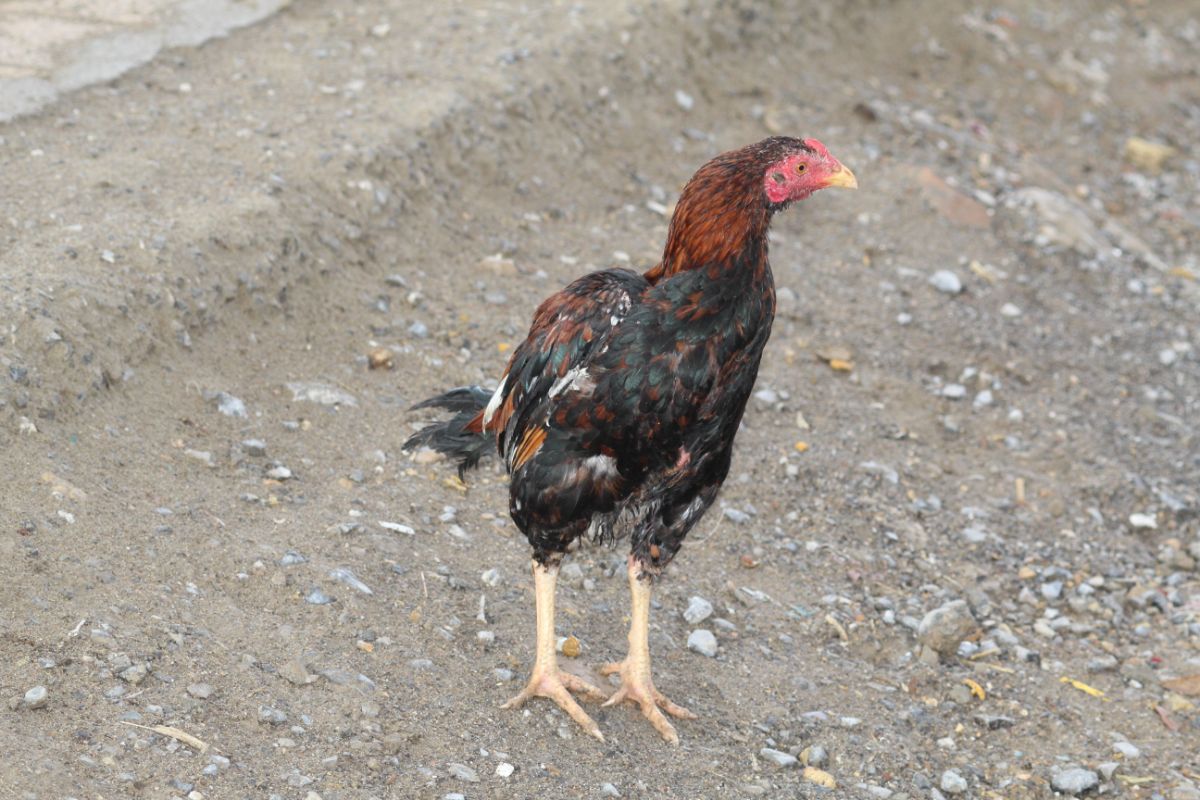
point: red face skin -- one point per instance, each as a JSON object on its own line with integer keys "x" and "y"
{"x": 798, "y": 175}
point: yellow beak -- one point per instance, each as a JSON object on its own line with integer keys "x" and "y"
{"x": 843, "y": 178}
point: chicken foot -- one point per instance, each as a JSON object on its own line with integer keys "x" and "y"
{"x": 637, "y": 686}
{"x": 547, "y": 679}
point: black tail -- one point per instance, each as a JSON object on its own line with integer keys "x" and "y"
{"x": 451, "y": 436}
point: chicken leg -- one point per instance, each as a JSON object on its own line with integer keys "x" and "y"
{"x": 636, "y": 684}
{"x": 547, "y": 679}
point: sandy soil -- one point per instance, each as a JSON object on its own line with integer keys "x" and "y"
{"x": 265, "y": 210}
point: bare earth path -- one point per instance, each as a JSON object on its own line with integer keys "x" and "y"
{"x": 197, "y": 258}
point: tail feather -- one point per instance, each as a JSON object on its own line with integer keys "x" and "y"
{"x": 452, "y": 436}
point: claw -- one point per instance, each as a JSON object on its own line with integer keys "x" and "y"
{"x": 554, "y": 687}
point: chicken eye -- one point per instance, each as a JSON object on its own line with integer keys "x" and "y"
{"x": 801, "y": 167}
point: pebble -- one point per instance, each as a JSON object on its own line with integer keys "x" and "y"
{"x": 1075, "y": 780}
{"x": 608, "y": 790}
{"x": 1143, "y": 521}
{"x": 1126, "y": 749}
{"x": 684, "y": 100}
{"x": 291, "y": 558}
{"x": 703, "y": 642}
{"x": 1010, "y": 310}
{"x": 396, "y": 527}
{"x": 346, "y": 576}
{"x": 814, "y": 755}
{"x": 698, "y": 610}
{"x": 200, "y": 691}
{"x": 463, "y": 772}
{"x": 953, "y": 391}
{"x": 504, "y": 769}
{"x": 953, "y": 783}
{"x": 778, "y": 757}
{"x": 296, "y": 673}
{"x": 736, "y": 516}
{"x": 321, "y": 394}
{"x": 230, "y": 406}
{"x": 317, "y": 597}
{"x": 944, "y": 627}
{"x": 37, "y": 697}
{"x": 946, "y": 281}
{"x": 279, "y": 473}
{"x": 271, "y": 716}
{"x": 255, "y": 448}
{"x": 418, "y": 329}
{"x": 135, "y": 674}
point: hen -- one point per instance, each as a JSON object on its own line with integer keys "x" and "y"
{"x": 617, "y": 414}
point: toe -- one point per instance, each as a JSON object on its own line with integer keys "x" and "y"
{"x": 675, "y": 710}
{"x": 661, "y": 724}
{"x": 577, "y": 684}
{"x": 567, "y": 703}
{"x": 611, "y": 668}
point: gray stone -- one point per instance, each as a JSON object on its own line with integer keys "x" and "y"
{"x": 1127, "y": 749}
{"x": 271, "y": 716}
{"x": 778, "y": 757}
{"x": 703, "y": 642}
{"x": 1075, "y": 780}
{"x": 943, "y": 628}
{"x": 817, "y": 756}
{"x": 255, "y": 448}
{"x": 698, "y": 610}
{"x": 463, "y": 772}
{"x": 946, "y": 281}
{"x": 200, "y": 691}
{"x": 37, "y": 697}
{"x": 953, "y": 783}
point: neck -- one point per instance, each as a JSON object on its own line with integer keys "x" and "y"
{"x": 720, "y": 220}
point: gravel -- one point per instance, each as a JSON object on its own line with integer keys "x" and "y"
{"x": 698, "y": 610}
{"x": 946, "y": 281}
{"x": 778, "y": 757}
{"x": 37, "y": 697}
{"x": 943, "y": 628}
{"x": 703, "y": 642}
{"x": 1074, "y": 781}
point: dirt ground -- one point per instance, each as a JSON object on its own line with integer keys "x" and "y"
{"x": 193, "y": 535}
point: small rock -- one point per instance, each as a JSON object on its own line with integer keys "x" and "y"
{"x": 684, "y": 100}
{"x": 499, "y": 265}
{"x": 1105, "y": 663}
{"x": 703, "y": 642}
{"x": 230, "y": 406}
{"x": 736, "y": 516}
{"x": 37, "y": 697}
{"x": 778, "y": 757}
{"x": 953, "y": 783}
{"x": 994, "y": 723}
{"x": 1010, "y": 310}
{"x": 608, "y": 790}
{"x": 200, "y": 691}
{"x": 135, "y": 674}
{"x": 294, "y": 672}
{"x": 271, "y": 716}
{"x": 255, "y": 448}
{"x": 698, "y": 610}
{"x": 279, "y": 473}
{"x": 953, "y": 391}
{"x": 504, "y": 769}
{"x": 1143, "y": 521}
{"x": 1126, "y": 749}
{"x": 346, "y": 576}
{"x": 317, "y": 597}
{"x": 944, "y": 627}
{"x": 1146, "y": 155}
{"x": 814, "y": 755}
{"x": 321, "y": 394}
{"x": 381, "y": 358}
{"x": 946, "y": 281}
{"x": 1075, "y": 780}
{"x": 463, "y": 772}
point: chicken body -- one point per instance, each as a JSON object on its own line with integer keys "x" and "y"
{"x": 616, "y": 416}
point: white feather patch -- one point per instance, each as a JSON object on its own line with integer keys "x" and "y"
{"x": 601, "y": 466}
{"x": 495, "y": 402}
